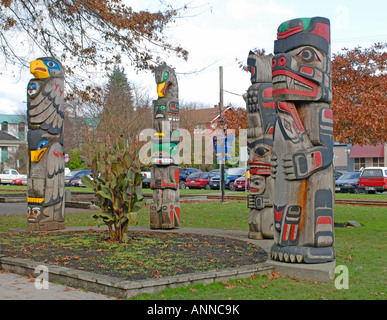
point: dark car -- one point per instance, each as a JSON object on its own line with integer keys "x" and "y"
{"x": 231, "y": 175}
{"x": 77, "y": 182}
{"x": 348, "y": 182}
{"x": 75, "y": 176}
{"x": 337, "y": 175}
{"x": 199, "y": 180}
{"x": 146, "y": 179}
{"x": 184, "y": 173}
{"x": 215, "y": 172}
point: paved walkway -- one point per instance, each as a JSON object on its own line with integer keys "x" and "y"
{"x": 17, "y": 287}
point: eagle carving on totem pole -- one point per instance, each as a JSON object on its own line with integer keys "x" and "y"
{"x": 45, "y": 104}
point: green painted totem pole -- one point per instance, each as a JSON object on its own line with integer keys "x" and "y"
{"x": 165, "y": 208}
{"x": 45, "y": 103}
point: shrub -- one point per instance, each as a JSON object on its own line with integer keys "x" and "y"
{"x": 117, "y": 183}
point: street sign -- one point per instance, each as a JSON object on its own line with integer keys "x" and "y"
{"x": 221, "y": 141}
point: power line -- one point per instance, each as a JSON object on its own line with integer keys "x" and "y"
{"x": 235, "y": 94}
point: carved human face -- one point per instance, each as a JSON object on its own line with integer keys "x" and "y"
{"x": 301, "y": 67}
{"x": 301, "y": 74}
{"x": 259, "y": 158}
{"x": 34, "y": 213}
{"x": 160, "y": 111}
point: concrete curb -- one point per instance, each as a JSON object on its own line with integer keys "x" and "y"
{"x": 124, "y": 289}
{"x": 116, "y": 287}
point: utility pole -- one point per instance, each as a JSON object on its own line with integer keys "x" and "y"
{"x": 220, "y": 91}
{"x": 223, "y": 160}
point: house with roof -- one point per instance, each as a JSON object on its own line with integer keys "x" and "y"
{"x": 353, "y": 158}
{"x": 203, "y": 118}
{"x": 13, "y": 134}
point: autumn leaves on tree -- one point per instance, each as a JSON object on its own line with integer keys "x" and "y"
{"x": 84, "y": 34}
{"x": 97, "y": 34}
{"x": 359, "y": 103}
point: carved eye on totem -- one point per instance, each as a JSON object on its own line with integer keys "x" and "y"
{"x": 261, "y": 151}
{"x": 42, "y": 144}
{"x": 165, "y": 76}
{"x": 308, "y": 55}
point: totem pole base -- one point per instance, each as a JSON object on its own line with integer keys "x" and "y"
{"x": 255, "y": 235}
{"x": 294, "y": 254}
{"x": 321, "y": 272}
{"x": 47, "y": 226}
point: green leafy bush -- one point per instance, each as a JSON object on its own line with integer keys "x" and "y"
{"x": 117, "y": 183}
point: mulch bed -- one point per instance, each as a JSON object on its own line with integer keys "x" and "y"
{"x": 146, "y": 255}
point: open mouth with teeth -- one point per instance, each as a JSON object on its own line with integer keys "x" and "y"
{"x": 159, "y": 115}
{"x": 259, "y": 168}
{"x": 286, "y": 82}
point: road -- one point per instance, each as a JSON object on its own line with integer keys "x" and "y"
{"x": 11, "y": 209}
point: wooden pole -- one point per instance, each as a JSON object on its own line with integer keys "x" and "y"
{"x": 223, "y": 160}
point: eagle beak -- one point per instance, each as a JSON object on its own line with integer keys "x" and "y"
{"x": 36, "y": 155}
{"x": 161, "y": 89}
{"x": 38, "y": 69}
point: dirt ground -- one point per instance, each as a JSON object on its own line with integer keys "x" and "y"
{"x": 146, "y": 255}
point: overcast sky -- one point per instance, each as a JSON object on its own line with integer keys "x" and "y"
{"x": 224, "y": 32}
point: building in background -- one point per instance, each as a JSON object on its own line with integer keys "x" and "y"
{"x": 13, "y": 135}
{"x": 353, "y": 158}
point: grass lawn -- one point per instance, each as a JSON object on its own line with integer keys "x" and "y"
{"x": 361, "y": 249}
{"x": 378, "y": 196}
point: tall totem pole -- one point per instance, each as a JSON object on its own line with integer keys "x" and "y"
{"x": 165, "y": 208}
{"x": 45, "y": 104}
{"x": 303, "y": 144}
{"x": 261, "y": 116}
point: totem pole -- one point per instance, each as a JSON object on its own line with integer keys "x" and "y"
{"x": 165, "y": 208}
{"x": 45, "y": 191}
{"x": 261, "y": 116}
{"x": 303, "y": 144}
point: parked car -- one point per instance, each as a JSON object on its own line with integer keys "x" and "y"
{"x": 348, "y": 182}
{"x": 215, "y": 182}
{"x": 198, "y": 180}
{"x": 146, "y": 179}
{"x": 20, "y": 181}
{"x": 240, "y": 183}
{"x": 337, "y": 175}
{"x": 8, "y": 175}
{"x": 373, "y": 179}
{"x": 184, "y": 173}
{"x": 75, "y": 176}
{"x": 77, "y": 182}
{"x": 231, "y": 175}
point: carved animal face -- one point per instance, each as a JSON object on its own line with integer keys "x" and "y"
{"x": 46, "y": 67}
{"x": 166, "y": 82}
{"x": 34, "y": 212}
{"x": 301, "y": 65}
{"x": 160, "y": 111}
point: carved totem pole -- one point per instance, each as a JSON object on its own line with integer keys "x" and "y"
{"x": 261, "y": 116}
{"x": 45, "y": 103}
{"x": 303, "y": 149}
{"x": 165, "y": 208}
